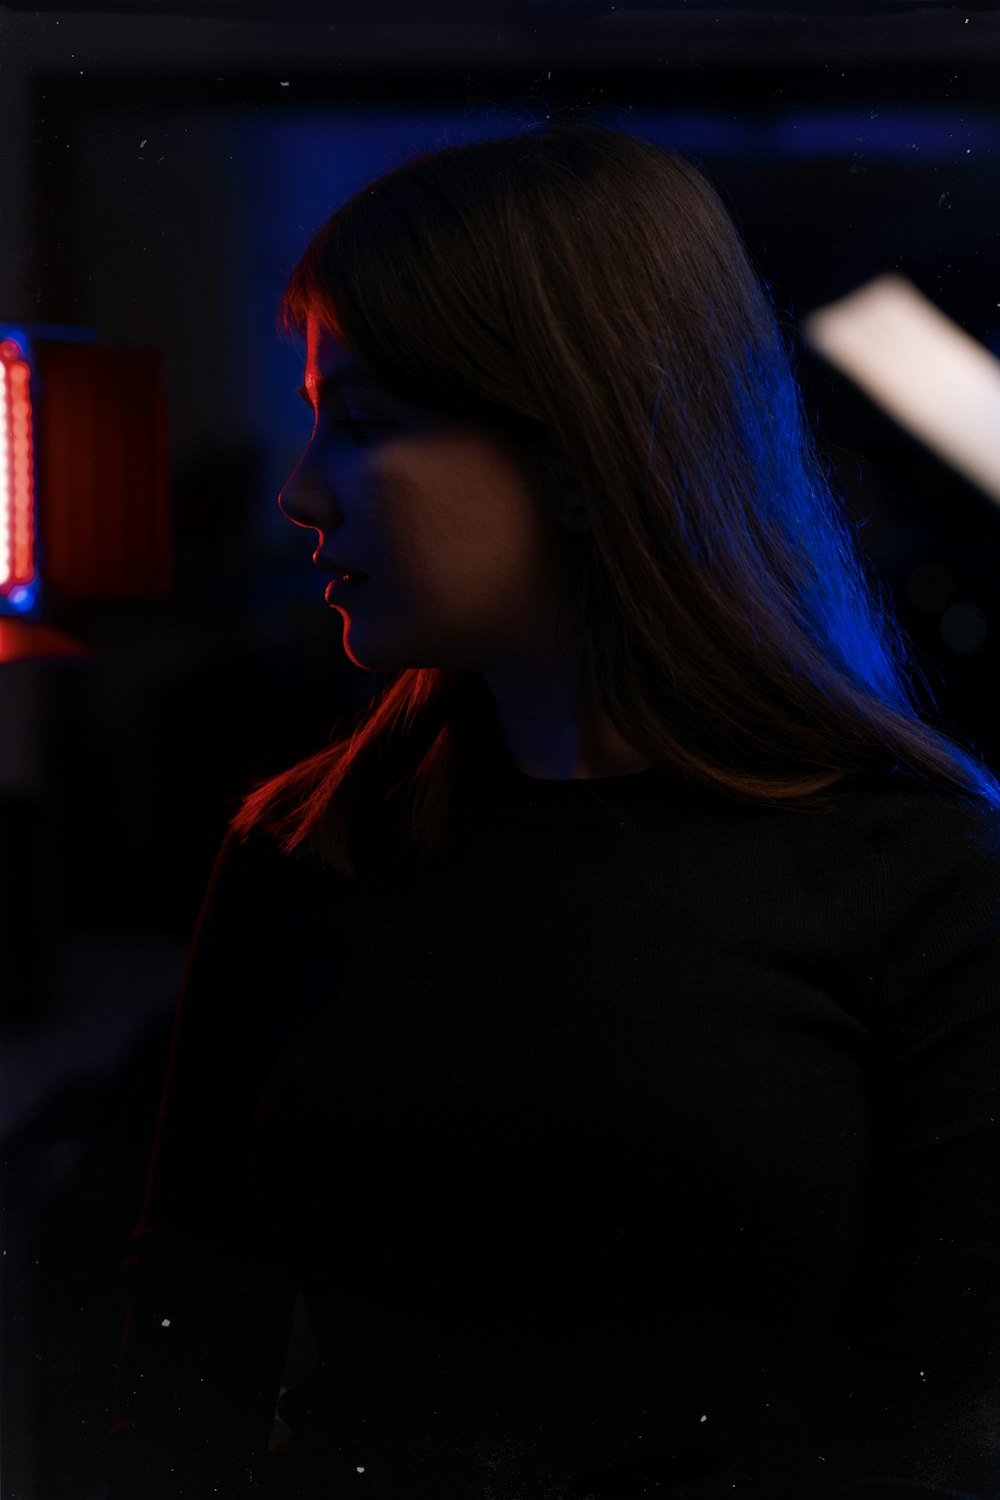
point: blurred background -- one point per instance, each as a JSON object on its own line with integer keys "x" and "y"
{"x": 166, "y": 640}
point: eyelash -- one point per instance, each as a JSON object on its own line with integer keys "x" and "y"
{"x": 352, "y": 424}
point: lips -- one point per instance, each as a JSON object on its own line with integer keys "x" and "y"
{"x": 330, "y": 565}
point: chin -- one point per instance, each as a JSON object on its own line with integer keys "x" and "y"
{"x": 373, "y": 661}
{"x": 369, "y": 665}
{"x": 370, "y": 658}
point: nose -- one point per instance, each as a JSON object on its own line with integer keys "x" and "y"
{"x": 305, "y": 500}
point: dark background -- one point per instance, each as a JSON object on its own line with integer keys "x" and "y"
{"x": 162, "y": 167}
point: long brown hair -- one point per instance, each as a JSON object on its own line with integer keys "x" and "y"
{"x": 587, "y": 293}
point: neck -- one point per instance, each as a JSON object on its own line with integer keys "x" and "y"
{"x": 552, "y": 737}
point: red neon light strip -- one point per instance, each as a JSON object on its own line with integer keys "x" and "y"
{"x": 17, "y": 509}
{"x": 22, "y": 474}
{"x": 6, "y": 498}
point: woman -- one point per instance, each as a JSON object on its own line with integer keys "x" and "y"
{"x": 601, "y": 1036}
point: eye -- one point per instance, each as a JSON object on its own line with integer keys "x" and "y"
{"x": 357, "y": 427}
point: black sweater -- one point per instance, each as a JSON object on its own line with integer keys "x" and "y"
{"x": 649, "y": 1143}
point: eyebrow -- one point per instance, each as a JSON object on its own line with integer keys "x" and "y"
{"x": 352, "y": 375}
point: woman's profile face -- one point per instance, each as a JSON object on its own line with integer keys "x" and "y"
{"x": 465, "y": 566}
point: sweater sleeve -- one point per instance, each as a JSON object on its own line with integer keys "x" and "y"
{"x": 923, "y": 1417}
{"x": 209, "y": 1309}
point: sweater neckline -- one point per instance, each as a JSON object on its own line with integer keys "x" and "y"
{"x": 495, "y": 785}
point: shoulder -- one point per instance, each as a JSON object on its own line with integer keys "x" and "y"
{"x": 906, "y": 859}
{"x": 251, "y": 875}
{"x": 900, "y": 817}
{"x": 934, "y": 894}
{"x": 920, "y": 833}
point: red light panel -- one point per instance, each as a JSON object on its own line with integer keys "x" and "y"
{"x": 17, "y": 480}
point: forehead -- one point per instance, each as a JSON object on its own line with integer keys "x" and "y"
{"x": 327, "y": 356}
